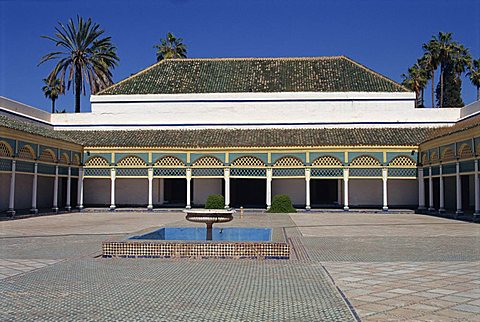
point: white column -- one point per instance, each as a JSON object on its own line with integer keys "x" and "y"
{"x": 112, "y": 188}
{"x": 55, "y": 190}
{"x": 11, "y": 200}
{"x": 346, "y": 172}
{"x": 421, "y": 189}
{"x": 269, "y": 188}
{"x": 226, "y": 176}
{"x": 459, "y": 190}
{"x": 477, "y": 190}
{"x": 307, "y": 189}
{"x": 430, "y": 190}
{"x": 150, "y": 189}
{"x": 189, "y": 179}
{"x": 34, "y": 209}
{"x": 68, "y": 205}
{"x": 80, "y": 189}
{"x": 442, "y": 191}
{"x": 385, "y": 188}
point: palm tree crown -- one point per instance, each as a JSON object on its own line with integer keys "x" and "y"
{"x": 415, "y": 80}
{"x": 171, "y": 47}
{"x": 86, "y": 59}
{"x": 474, "y": 75}
{"x": 52, "y": 89}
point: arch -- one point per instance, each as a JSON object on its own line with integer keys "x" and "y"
{"x": 327, "y": 160}
{"x": 64, "y": 158}
{"x": 26, "y": 153}
{"x": 365, "y": 160}
{"x": 402, "y": 161}
{"x": 248, "y": 161}
{"x": 288, "y": 161}
{"x": 207, "y": 161}
{"x": 76, "y": 159}
{"x": 97, "y": 161}
{"x": 465, "y": 151}
{"x": 433, "y": 156}
{"x": 424, "y": 158}
{"x": 5, "y": 149}
{"x": 48, "y": 156}
{"x": 448, "y": 154}
{"x": 131, "y": 161}
{"x": 169, "y": 161}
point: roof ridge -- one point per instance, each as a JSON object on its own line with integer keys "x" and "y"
{"x": 258, "y": 58}
{"x": 371, "y": 71}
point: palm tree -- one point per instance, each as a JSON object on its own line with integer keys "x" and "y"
{"x": 430, "y": 60}
{"x": 171, "y": 47}
{"x": 86, "y": 57}
{"x": 474, "y": 75}
{"x": 416, "y": 79}
{"x": 445, "y": 46}
{"x": 52, "y": 90}
{"x": 461, "y": 60}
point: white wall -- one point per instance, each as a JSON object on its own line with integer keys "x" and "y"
{"x": 45, "y": 192}
{"x": 202, "y": 188}
{"x": 131, "y": 192}
{"x": 327, "y": 109}
{"x": 294, "y": 188}
{"x": 402, "y": 193}
{"x": 365, "y": 192}
{"x": 23, "y": 191}
{"x": 4, "y": 191}
{"x": 23, "y": 109}
{"x": 96, "y": 191}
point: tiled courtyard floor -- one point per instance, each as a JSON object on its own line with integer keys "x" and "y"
{"x": 389, "y": 267}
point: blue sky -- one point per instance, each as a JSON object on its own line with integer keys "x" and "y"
{"x": 385, "y": 35}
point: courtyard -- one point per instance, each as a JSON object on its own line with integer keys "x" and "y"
{"x": 344, "y": 267}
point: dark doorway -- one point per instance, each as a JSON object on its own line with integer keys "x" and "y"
{"x": 324, "y": 192}
{"x": 467, "y": 204}
{"x": 175, "y": 192}
{"x": 249, "y": 193}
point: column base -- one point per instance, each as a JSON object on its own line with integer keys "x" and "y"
{"x": 80, "y": 208}
{"x": 458, "y": 213}
{"x": 346, "y": 208}
{"x": 441, "y": 211}
{"x": 385, "y": 209}
{"x": 188, "y": 207}
{"x": 112, "y": 208}
{"x": 431, "y": 209}
{"x": 308, "y": 208}
{"x": 150, "y": 208}
{"x": 227, "y": 207}
{"x": 68, "y": 208}
{"x": 55, "y": 209}
{"x": 34, "y": 211}
{"x": 11, "y": 212}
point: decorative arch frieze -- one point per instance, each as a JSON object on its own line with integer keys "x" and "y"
{"x": 76, "y": 159}
{"x": 26, "y": 153}
{"x": 47, "y": 155}
{"x": 448, "y": 154}
{"x": 207, "y": 161}
{"x": 365, "y": 160}
{"x": 131, "y": 161}
{"x": 248, "y": 161}
{"x": 5, "y": 149}
{"x": 465, "y": 151}
{"x": 402, "y": 161}
{"x": 64, "y": 159}
{"x": 288, "y": 161}
{"x": 434, "y": 157}
{"x": 169, "y": 161}
{"x": 97, "y": 161}
{"x": 327, "y": 161}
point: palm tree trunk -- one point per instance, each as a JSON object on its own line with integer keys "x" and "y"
{"x": 422, "y": 99}
{"x": 433, "y": 88}
{"x": 78, "y": 82}
{"x": 441, "y": 85}
{"x": 478, "y": 93}
{"x": 53, "y": 106}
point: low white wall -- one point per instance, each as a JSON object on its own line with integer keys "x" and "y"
{"x": 202, "y": 188}
{"x": 4, "y": 191}
{"x": 294, "y": 188}
{"x": 365, "y": 192}
{"x": 402, "y": 193}
{"x": 96, "y": 191}
{"x": 45, "y": 192}
{"x": 131, "y": 192}
{"x": 23, "y": 191}
{"x": 23, "y": 109}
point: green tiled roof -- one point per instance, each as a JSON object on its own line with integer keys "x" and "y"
{"x": 212, "y": 138}
{"x": 463, "y": 125}
{"x": 39, "y": 129}
{"x": 254, "y": 75}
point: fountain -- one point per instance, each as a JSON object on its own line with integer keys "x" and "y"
{"x": 209, "y": 217}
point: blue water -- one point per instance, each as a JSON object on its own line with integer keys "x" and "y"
{"x": 218, "y": 234}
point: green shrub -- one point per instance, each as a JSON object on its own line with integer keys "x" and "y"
{"x": 281, "y": 204}
{"x": 215, "y": 202}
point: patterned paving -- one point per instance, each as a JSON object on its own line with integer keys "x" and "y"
{"x": 12, "y": 267}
